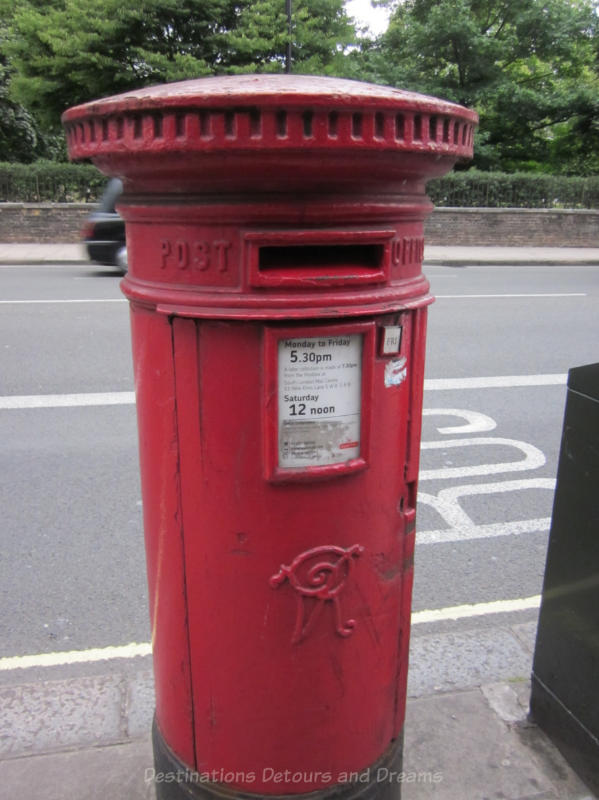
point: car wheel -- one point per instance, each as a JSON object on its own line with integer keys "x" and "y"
{"x": 121, "y": 259}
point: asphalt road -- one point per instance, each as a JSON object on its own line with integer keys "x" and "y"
{"x": 72, "y": 559}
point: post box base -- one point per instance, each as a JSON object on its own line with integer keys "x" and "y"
{"x": 174, "y": 780}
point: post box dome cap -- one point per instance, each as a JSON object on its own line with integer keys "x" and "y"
{"x": 266, "y": 91}
{"x": 214, "y": 131}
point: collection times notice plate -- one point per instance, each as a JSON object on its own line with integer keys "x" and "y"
{"x": 319, "y": 400}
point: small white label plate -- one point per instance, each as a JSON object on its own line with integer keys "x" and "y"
{"x": 391, "y": 340}
{"x": 319, "y": 400}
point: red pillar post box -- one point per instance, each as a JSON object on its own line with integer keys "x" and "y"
{"x": 275, "y": 239}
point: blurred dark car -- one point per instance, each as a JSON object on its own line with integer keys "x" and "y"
{"x": 104, "y": 232}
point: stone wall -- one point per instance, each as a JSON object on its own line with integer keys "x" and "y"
{"x": 62, "y": 222}
{"x": 505, "y": 227}
{"x": 43, "y": 222}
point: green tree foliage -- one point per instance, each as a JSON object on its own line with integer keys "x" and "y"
{"x": 66, "y": 52}
{"x": 320, "y": 33}
{"x": 19, "y": 136}
{"x": 529, "y": 67}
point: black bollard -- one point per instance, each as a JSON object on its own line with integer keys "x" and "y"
{"x": 564, "y": 699}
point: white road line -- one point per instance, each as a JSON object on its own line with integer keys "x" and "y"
{"x": 460, "y": 527}
{"x": 475, "y": 421}
{"x": 484, "y": 531}
{"x": 126, "y": 398}
{"x": 533, "y": 458}
{"x": 496, "y": 382}
{"x": 67, "y": 400}
{"x": 134, "y": 650}
{"x": 494, "y": 296}
{"x": 75, "y": 656}
{"x": 476, "y": 610}
{"x": 81, "y": 300}
{"x": 48, "y": 265}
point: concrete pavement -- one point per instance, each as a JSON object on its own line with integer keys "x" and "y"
{"x": 30, "y": 253}
{"x": 88, "y": 737}
{"x": 513, "y": 256}
{"x": 449, "y": 256}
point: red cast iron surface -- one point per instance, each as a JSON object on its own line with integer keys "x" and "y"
{"x": 222, "y": 157}
{"x": 260, "y": 132}
{"x": 280, "y": 601}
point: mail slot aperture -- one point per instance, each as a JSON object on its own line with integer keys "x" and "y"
{"x": 321, "y": 256}
{"x": 318, "y": 258}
